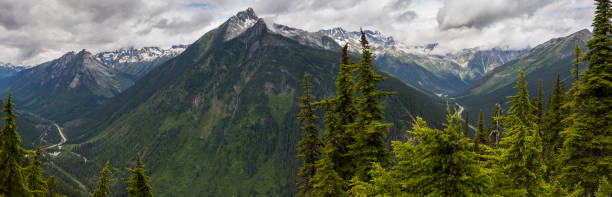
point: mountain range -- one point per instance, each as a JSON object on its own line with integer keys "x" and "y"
{"x": 217, "y": 117}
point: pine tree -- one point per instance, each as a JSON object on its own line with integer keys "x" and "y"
{"x": 103, "y": 184}
{"x": 369, "y": 146}
{"x": 588, "y": 146}
{"x": 12, "y": 175}
{"x": 438, "y": 163}
{"x": 35, "y": 179}
{"x": 577, "y": 62}
{"x": 521, "y": 158}
{"x": 326, "y": 181}
{"x": 537, "y": 102}
{"x": 481, "y": 135}
{"x": 341, "y": 113}
{"x": 138, "y": 181}
{"x": 466, "y": 126}
{"x": 310, "y": 145}
{"x": 552, "y": 125}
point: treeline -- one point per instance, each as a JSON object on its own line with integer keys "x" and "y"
{"x": 21, "y": 174}
{"x": 561, "y": 149}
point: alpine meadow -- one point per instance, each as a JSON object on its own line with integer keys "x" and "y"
{"x": 316, "y": 98}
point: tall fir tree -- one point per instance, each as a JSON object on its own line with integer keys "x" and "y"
{"x": 577, "y": 62}
{"x": 587, "y": 149}
{"x": 481, "y": 134}
{"x": 138, "y": 181}
{"x": 369, "y": 146}
{"x": 309, "y": 148}
{"x": 103, "y": 183}
{"x": 538, "y": 103}
{"x": 466, "y": 124}
{"x": 12, "y": 174}
{"x": 521, "y": 158}
{"x": 35, "y": 179}
{"x": 437, "y": 163}
{"x": 552, "y": 125}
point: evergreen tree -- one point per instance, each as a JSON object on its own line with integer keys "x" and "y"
{"x": 138, "y": 181}
{"x": 537, "y": 102}
{"x": 438, "y": 163}
{"x": 552, "y": 125}
{"x": 12, "y": 175}
{"x": 36, "y": 181}
{"x": 588, "y": 146}
{"x": 341, "y": 112}
{"x": 577, "y": 62}
{"x": 103, "y": 184}
{"x": 369, "y": 146}
{"x": 481, "y": 135}
{"x": 521, "y": 157}
{"x": 310, "y": 145}
{"x": 326, "y": 181}
{"x": 466, "y": 126}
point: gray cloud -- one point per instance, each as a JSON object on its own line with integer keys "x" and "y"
{"x": 482, "y": 13}
{"x": 34, "y": 31}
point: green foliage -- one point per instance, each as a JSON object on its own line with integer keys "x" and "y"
{"x": 438, "y": 163}
{"x": 369, "y": 146}
{"x": 138, "y": 181}
{"x": 587, "y": 155}
{"x": 37, "y": 183}
{"x": 481, "y": 134}
{"x": 309, "y": 148}
{"x": 12, "y": 174}
{"x": 103, "y": 184}
{"x": 326, "y": 181}
{"x": 538, "y": 104}
{"x": 552, "y": 125}
{"x": 520, "y": 164}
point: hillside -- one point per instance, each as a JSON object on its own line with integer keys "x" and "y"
{"x": 219, "y": 119}
{"x": 542, "y": 62}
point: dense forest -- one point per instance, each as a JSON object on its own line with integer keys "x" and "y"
{"x": 555, "y": 146}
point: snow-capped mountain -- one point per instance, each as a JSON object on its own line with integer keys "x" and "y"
{"x": 244, "y": 20}
{"x": 9, "y": 69}
{"x": 379, "y": 42}
{"x": 133, "y": 55}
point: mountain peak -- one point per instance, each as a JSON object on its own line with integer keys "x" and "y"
{"x": 247, "y": 14}
{"x": 239, "y": 23}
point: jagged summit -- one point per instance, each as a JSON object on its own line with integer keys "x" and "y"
{"x": 134, "y": 55}
{"x": 380, "y": 42}
{"x": 239, "y": 23}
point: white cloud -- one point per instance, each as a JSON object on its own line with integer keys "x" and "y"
{"x": 33, "y": 31}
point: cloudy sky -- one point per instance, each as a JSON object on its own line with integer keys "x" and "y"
{"x": 34, "y": 31}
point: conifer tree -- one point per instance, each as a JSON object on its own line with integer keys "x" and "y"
{"x": 369, "y": 146}
{"x": 36, "y": 181}
{"x": 481, "y": 135}
{"x": 586, "y": 155}
{"x": 103, "y": 184}
{"x": 440, "y": 163}
{"x": 537, "y": 102}
{"x": 12, "y": 175}
{"x": 552, "y": 125}
{"x": 577, "y": 62}
{"x": 521, "y": 157}
{"x": 310, "y": 145}
{"x": 138, "y": 181}
{"x": 326, "y": 181}
{"x": 466, "y": 126}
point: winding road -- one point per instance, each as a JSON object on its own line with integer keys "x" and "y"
{"x": 59, "y": 145}
{"x": 459, "y": 112}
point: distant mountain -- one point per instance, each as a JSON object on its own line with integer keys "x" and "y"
{"x": 138, "y": 61}
{"x": 8, "y": 69}
{"x": 220, "y": 118}
{"x": 542, "y": 62}
{"x": 65, "y": 88}
{"x": 416, "y": 65}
